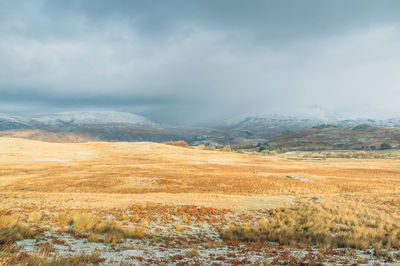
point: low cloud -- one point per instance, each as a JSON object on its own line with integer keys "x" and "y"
{"x": 194, "y": 72}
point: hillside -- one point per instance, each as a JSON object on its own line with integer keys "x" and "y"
{"x": 104, "y": 167}
{"x": 330, "y": 137}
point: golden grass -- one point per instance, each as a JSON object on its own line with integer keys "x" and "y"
{"x": 99, "y": 167}
{"x": 192, "y": 253}
{"x": 11, "y": 256}
{"x": 356, "y": 201}
{"x": 63, "y": 219}
{"x": 135, "y": 232}
{"x": 114, "y": 237}
{"x": 35, "y": 217}
{"x": 10, "y": 220}
{"x": 179, "y": 228}
{"x": 94, "y": 237}
{"x": 106, "y": 201}
{"x": 114, "y": 233}
{"x": 329, "y": 222}
{"x": 13, "y": 228}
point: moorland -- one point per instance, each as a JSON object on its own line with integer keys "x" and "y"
{"x": 152, "y": 203}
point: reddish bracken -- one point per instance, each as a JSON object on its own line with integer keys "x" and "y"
{"x": 179, "y": 143}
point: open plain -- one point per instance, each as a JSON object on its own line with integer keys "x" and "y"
{"x": 149, "y": 203}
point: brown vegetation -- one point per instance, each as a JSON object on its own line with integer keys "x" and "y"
{"x": 36, "y": 134}
{"x": 13, "y": 228}
{"x": 329, "y": 137}
{"x": 31, "y": 166}
{"x": 329, "y": 222}
{"x": 151, "y": 189}
{"x": 179, "y": 143}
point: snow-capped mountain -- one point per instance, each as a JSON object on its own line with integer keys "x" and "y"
{"x": 90, "y": 118}
{"x": 271, "y": 126}
{"x": 84, "y": 118}
{"x": 308, "y": 117}
{"x": 268, "y": 126}
{"x": 12, "y": 122}
{"x": 120, "y": 126}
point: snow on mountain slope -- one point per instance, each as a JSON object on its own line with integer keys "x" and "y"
{"x": 90, "y": 118}
{"x": 12, "y": 122}
{"x": 72, "y": 119}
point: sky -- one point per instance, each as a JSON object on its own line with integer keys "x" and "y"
{"x": 200, "y": 61}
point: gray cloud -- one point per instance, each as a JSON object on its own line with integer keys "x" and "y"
{"x": 199, "y": 61}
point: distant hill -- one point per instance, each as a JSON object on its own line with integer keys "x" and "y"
{"x": 332, "y": 137}
{"x": 121, "y": 126}
{"x": 84, "y": 118}
{"x": 103, "y": 126}
{"x": 270, "y": 126}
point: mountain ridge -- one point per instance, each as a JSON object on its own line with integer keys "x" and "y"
{"x": 123, "y": 126}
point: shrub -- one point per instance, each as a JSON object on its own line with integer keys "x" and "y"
{"x": 385, "y": 146}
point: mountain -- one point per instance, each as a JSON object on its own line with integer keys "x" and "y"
{"x": 90, "y": 118}
{"x": 270, "y": 126}
{"x": 333, "y": 137}
{"x": 121, "y": 126}
{"x": 72, "y": 119}
{"x": 102, "y": 126}
{"x": 12, "y": 122}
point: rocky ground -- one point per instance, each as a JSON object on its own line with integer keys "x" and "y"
{"x": 149, "y": 234}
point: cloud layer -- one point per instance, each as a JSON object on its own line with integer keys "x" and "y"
{"x": 199, "y": 61}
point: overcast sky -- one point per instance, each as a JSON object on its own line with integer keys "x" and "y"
{"x": 192, "y": 62}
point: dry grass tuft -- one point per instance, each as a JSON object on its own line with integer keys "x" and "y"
{"x": 179, "y": 228}
{"x": 46, "y": 248}
{"x": 12, "y": 256}
{"x": 85, "y": 222}
{"x": 134, "y": 232}
{"x": 94, "y": 237}
{"x": 63, "y": 219}
{"x": 330, "y": 223}
{"x": 192, "y": 253}
{"x": 17, "y": 232}
{"x": 35, "y": 217}
{"x": 114, "y": 237}
{"x": 12, "y": 229}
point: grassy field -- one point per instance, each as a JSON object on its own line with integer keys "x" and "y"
{"x": 122, "y": 201}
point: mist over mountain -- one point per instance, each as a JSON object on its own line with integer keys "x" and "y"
{"x": 123, "y": 126}
{"x": 195, "y": 63}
